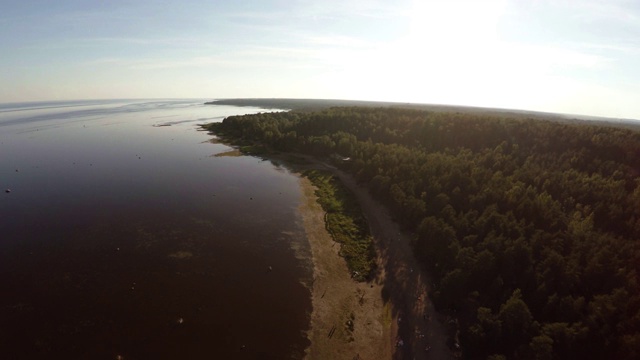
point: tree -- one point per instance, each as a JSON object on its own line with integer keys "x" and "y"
{"x": 542, "y": 347}
{"x": 516, "y": 321}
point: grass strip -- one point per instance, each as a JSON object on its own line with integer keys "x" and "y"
{"x": 345, "y": 222}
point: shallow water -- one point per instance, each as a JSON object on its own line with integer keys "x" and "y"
{"x": 124, "y": 237}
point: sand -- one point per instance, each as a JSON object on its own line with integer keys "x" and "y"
{"x": 352, "y": 320}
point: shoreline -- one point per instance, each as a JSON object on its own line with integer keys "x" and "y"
{"x": 392, "y": 316}
{"x": 349, "y": 319}
{"x": 398, "y": 295}
{"x": 415, "y": 323}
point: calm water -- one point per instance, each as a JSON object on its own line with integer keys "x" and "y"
{"x": 124, "y": 238}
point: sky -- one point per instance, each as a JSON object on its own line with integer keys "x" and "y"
{"x": 571, "y": 56}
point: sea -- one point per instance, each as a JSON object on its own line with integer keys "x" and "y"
{"x": 127, "y": 232}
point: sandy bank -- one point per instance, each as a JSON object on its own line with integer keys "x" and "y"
{"x": 350, "y": 320}
{"x": 406, "y": 313}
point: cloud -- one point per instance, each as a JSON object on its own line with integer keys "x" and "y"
{"x": 549, "y": 57}
{"x": 599, "y": 10}
{"x": 243, "y": 58}
{"x": 337, "y": 41}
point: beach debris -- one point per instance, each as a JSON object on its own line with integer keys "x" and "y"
{"x": 117, "y": 249}
{"x": 7, "y": 191}
{"x": 243, "y": 347}
{"x": 180, "y": 321}
{"x": 17, "y": 170}
{"x": 331, "y": 332}
{"x": 270, "y": 268}
{"x": 119, "y": 357}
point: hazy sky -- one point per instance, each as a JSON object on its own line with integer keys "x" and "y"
{"x": 573, "y": 56}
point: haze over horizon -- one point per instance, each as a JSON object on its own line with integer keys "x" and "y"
{"x": 577, "y": 57}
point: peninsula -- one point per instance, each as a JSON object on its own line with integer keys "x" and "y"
{"x": 523, "y": 227}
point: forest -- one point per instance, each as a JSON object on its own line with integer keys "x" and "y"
{"x": 530, "y": 228}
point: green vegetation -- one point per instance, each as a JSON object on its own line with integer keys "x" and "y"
{"x": 254, "y": 149}
{"x": 530, "y": 228}
{"x": 345, "y": 223}
{"x": 244, "y": 145}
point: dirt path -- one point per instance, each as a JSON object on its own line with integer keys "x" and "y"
{"x": 394, "y": 307}
{"x": 417, "y": 323}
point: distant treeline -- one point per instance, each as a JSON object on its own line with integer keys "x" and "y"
{"x": 530, "y": 228}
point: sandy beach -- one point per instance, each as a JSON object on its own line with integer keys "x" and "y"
{"x": 368, "y": 320}
{"x": 350, "y": 320}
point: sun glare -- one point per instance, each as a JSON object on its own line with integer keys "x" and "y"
{"x": 446, "y": 44}
{"x": 446, "y": 23}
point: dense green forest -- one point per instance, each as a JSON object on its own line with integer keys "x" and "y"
{"x": 530, "y": 228}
